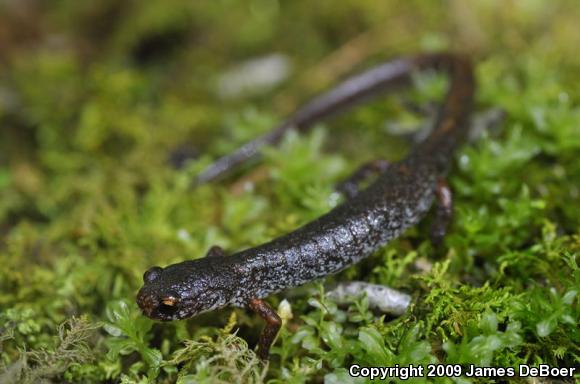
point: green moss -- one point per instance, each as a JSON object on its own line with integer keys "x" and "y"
{"x": 88, "y": 201}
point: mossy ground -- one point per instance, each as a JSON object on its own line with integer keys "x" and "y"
{"x": 94, "y": 96}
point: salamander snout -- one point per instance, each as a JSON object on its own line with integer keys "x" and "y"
{"x": 155, "y": 301}
{"x": 159, "y": 306}
{"x": 186, "y": 289}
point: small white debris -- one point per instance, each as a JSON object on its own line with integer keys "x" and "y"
{"x": 382, "y": 298}
{"x": 254, "y": 76}
{"x": 285, "y": 310}
{"x": 423, "y": 264}
{"x": 183, "y": 235}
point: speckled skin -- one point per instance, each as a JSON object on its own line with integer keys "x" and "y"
{"x": 398, "y": 199}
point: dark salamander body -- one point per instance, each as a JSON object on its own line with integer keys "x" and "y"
{"x": 398, "y": 199}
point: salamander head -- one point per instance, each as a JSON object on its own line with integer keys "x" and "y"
{"x": 180, "y": 291}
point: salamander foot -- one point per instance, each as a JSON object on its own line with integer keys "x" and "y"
{"x": 273, "y": 324}
{"x": 443, "y": 213}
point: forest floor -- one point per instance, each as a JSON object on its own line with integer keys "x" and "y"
{"x": 99, "y": 101}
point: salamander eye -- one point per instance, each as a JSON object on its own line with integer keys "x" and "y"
{"x": 152, "y": 274}
{"x": 168, "y": 303}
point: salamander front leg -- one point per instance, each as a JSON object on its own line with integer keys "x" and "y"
{"x": 273, "y": 324}
{"x": 443, "y": 213}
{"x": 351, "y": 186}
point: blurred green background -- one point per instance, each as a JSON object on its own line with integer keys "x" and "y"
{"x": 109, "y": 109}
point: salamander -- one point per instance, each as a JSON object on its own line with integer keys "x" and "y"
{"x": 399, "y": 197}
